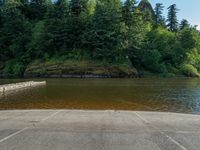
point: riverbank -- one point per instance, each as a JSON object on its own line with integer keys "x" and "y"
{"x": 56, "y": 68}
{"x": 107, "y": 130}
{"x": 75, "y": 69}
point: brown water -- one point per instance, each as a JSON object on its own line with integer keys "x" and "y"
{"x": 174, "y": 95}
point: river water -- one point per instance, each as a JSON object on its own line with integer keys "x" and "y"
{"x": 151, "y": 94}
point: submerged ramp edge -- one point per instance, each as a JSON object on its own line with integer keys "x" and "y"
{"x": 21, "y": 85}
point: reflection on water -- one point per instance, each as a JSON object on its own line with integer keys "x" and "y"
{"x": 174, "y": 95}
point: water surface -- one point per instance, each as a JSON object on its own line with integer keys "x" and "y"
{"x": 174, "y": 95}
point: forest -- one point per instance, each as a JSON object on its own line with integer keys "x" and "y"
{"x": 96, "y": 37}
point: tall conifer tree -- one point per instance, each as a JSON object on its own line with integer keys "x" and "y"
{"x": 159, "y": 19}
{"x": 172, "y": 18}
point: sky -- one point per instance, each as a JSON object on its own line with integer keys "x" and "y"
{"x": 188, "y": 9}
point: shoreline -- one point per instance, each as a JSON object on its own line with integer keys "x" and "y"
{"x": 72, "y": 76}
{"x": 98, "y": 110}
{"x": 89, "y": 76}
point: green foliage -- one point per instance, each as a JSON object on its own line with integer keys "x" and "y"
{"x": 159, "y": 19}
{"x": 189, "y": 70}
{"x": 172, "y": 18}
{"x": 190, "y": 38}
{"x": 193, "y": 58}
{"x": 14, "y": 67}
{"x": 106, "y": 31}
{"x": 15, "y": 31}
{"x": 165, "y": 42}
{"x": 76, "y": 54}
{"x": 184, "y": 24}
{"x": 38, "y": 9}
{"x": 61, "y": 8}
{"x": 37, "y": 41}
{"x": 152, "y": 61}
{"x": 134, "y": 38}
{"x": 90, "y": 8}
{"x": 127, "y": 11}
{"x": 77, "y": 7}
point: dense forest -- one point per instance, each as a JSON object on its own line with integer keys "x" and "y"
{"x": 95, "y": 37}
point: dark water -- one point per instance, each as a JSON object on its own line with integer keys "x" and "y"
{"x": 174, "y": 95}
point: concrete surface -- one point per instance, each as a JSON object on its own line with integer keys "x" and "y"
{"x": 21, "y": 85}
{"x": 98, "y": 130}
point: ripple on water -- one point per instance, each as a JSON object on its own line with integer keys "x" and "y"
{"x": 174, "y": 95}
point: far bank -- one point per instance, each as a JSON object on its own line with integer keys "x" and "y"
{"x": 87, "y": 69}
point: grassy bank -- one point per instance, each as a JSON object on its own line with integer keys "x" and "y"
{"x": 81, "y": 68}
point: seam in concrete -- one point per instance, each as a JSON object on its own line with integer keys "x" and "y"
{"x": 52, "y": 115}
{"x": 26, "y": 128}
{"x": 183, "y": 136}
{"x": 6, "y": 138}
{"x": 163, "y": 133}
{"x": 187, "y": 132}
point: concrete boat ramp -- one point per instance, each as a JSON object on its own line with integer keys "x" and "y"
{"x": 98, "y": 130}
{"x": 6, "y": 88}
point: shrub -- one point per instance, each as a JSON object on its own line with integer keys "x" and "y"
{"x": 14, "y": 67}
{"x": 18, "y": 69}
{"x": 189, "y": 70}
{"x": 152, "y": 62}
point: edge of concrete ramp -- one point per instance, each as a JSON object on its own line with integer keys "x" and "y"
{"x": 98, "y": 130}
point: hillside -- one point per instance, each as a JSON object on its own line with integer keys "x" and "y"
{"x": 112, "y": 39}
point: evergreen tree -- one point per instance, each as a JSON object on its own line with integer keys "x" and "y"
{"x": 134, "y": 39}
{"x": 77, "y": 6}
{"x": 104, "y": 36}
{"x": 159, "y": 19}
{"x": 91, "y": 6}
{"x": 188, "y": 38}
{"x": 25, "y": 7}
{"x": 14, "y": 31}
{"x": 127, "y": 11}
{"x": 63, "y": 31}
{"x": 184, "y": 24}
{"x": 36, "y": 46}
{"x": 172, "y": 18}
{"x": 38, "y": 9}
{"x": 62, "y": 8}
{"x": 101, "y": 30}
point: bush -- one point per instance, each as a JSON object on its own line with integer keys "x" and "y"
{"x": 18, "y": 69}
{"x": 14, "y": 67}
{"x": 189, "y": 70}
{"x": 152, "y": 61}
